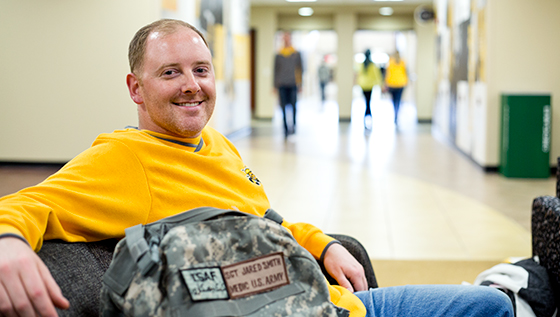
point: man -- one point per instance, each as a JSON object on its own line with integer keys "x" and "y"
{"x": 171, "y": 163}
{"x": 288, "y": 70}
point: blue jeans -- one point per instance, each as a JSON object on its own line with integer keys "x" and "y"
{"x": 396, "y": 94}
{"x": 288, "y": 96}
{"x": 436, "y": 300}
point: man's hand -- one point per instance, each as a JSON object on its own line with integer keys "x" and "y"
{"x": 26, "y": 285}
{"x": 345, "y": 269}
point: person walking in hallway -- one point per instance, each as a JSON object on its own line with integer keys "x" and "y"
{"x": 396, "y": 79}
{"x": 368, "y": 76}
{"x": 287, "y": 80}
{"x": 324, "y": 74}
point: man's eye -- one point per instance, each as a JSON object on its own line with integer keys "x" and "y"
{"x": 168, "y": 72}
{"x": 200, "y": 70}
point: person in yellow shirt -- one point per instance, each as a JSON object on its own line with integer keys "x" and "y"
{"x": 396, "y": 78}
{"x": 170, "y": 163}
{"x": 368, "y": 76}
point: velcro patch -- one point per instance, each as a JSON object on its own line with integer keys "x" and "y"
{"x": 256, "y": 275}
{"x": 205, "y": 283}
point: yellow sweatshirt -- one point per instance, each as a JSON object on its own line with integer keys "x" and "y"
{"x": 129, "y": 177}
{"x": 369, "y": 77}
{"x": 395, "y": 76}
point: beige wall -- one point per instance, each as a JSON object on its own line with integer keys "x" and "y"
{"x": 425, "y": 65}
{"x": 523, "y": 50}
{"x": 63, "y": 66}
{"x": 265, "y": 21}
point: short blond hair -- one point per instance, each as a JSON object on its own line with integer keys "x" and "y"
{"x": 137, "y": 47}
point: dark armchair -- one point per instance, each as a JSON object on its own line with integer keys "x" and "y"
{"x": 545, "y": 231}
{"x": 78, "y": 269}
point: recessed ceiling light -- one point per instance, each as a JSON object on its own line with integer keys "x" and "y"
{"x": 304, "y": 0}
{"x": 386, "y": 11}
{"x": 305, "y": 11}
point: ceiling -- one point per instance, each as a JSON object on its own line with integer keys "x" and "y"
{"x": 335, "y": 2}
{"x": 331, "y": 6}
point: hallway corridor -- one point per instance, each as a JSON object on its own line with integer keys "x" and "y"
{"x": 405, "y": 194}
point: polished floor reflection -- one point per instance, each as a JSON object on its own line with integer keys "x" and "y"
{"x": 402, "y": 191}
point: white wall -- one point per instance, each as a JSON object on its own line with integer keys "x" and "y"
{"x": 63, "y": 65}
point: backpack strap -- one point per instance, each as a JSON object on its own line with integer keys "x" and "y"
{"x": 137, "y": 245}
{"x": 270, "y": 214}
{"x": 140, "y": 250}
{"x": 200, "y": 214}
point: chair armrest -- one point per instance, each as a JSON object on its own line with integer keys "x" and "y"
{"x": 558, "y": 178}
{"x": 545, "y": 231}
{"x": 359, "y": 252}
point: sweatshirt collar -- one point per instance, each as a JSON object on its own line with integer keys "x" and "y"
{"x": 194, "y": 143}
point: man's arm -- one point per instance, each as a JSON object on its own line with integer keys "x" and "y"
{"x": 344, "y": 268}
{"x": 26, "y": 285}
{"x": 340, "y": 264}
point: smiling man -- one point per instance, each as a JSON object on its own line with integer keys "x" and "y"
{"x": 173, "y": 83}
{"x": 171, "y": 163}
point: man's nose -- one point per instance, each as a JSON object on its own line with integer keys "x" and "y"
{"x": 190, "y": 84}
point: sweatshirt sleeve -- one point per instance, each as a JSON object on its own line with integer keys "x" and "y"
{"x": 309, "y": 237}
{"x": 87, "y": 200}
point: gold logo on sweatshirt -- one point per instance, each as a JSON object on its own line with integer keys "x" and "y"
{"x": 251, "y": 176}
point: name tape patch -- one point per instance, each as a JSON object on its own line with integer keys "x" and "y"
{"x": 256, "y": 275}
{"x": 205, "y": 283}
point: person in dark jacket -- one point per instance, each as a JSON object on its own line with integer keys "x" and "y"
{"x": 287, "y": 80}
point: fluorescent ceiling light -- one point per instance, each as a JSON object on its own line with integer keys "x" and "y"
{"x": 305, "y": 0}
{"x": 386, "y": 11}
{"x": 305, "y": 11}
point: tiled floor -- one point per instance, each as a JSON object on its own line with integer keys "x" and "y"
{"x": 404, "y": 193}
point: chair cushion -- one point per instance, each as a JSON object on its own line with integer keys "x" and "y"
{"x": 78, "y": 269}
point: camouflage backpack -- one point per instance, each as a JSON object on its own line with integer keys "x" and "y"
{"x": 213, "y": 262}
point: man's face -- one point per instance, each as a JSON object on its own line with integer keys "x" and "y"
{"x": 287, "y": 39}
{"x": 175, "y": 89}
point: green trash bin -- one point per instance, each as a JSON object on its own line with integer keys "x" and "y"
{"x": 525, "y": 136}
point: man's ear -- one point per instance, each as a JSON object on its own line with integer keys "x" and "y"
{"x": 133, "y": 84}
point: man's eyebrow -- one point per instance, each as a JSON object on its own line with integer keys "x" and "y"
{"x": 162, "y": 67}
{"x": 198, "y": 63}
{"x": 203, "y": 62}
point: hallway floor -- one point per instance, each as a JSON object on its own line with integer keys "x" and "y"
{"x": 403, "y": 192}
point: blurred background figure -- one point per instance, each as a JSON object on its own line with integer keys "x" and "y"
{"x": 368, "y": 76}
{"x": 396, "y": 79}
{"x": 324, "y": 74}
{"x": 287, "y": 79}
